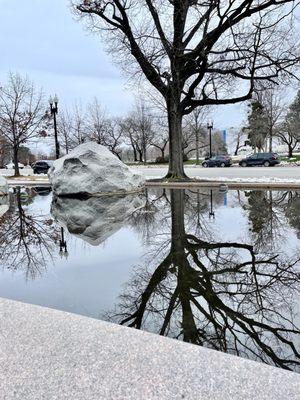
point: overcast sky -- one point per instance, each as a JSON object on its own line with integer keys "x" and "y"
{"x": 40, "y": 38}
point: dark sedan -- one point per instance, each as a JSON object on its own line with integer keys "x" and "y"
{"x": 42, "y": 166}
{"x": 265, "y": 159}
{"x": 217, "y": 161}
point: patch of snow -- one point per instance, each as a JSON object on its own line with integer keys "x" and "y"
{"x": 263, "y": 179}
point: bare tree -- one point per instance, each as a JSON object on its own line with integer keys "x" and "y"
{"x": 289, "y": 131}
{"x": 97, "y": 122}
{"x": 129, "y": 133}
{"x": 138, "y": 128}
{"x": 22, "y": 113}
{"x": 160, "y": 137}
{"x": 65, "y": 126}
{"x": 79, "y": 125}
{"x": 271, "y": 98}
{"x": 102, "y": 129}
{"x": 194, "y": 134}
{"x": 196, "y": 53}
{"x": 113, "y": 138}
{"x": 239, "y": 141}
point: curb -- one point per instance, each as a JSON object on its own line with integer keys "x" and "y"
{"x": 230, "y": 185}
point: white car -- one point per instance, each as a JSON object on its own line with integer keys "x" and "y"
{"x": 12, "y": 166}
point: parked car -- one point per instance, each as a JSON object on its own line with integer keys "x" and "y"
{"x": 265, "y": 159}
{"x": 42, "y": 191}
{"x": 42, "y": 166}
{"x": 11, "y": 165}
{"x": 217, "y": 161}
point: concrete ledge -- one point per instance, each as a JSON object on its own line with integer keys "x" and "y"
{"x": 229, "y": 184}
{"x": 49, "y": 354}
{"x": 185, "y": 185}
{"x": 28, "y": 182}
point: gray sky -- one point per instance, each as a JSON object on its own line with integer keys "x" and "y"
{"x": 40, "y": 38}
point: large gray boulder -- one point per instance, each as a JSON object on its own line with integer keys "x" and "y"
{"x": 95, "y": 219}
{"x": 92, "y": 169}
{"x": 3, "y": 186}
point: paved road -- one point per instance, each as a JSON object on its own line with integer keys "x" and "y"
{"x": 251, "y": 173}
{"x": 292, "y": 173}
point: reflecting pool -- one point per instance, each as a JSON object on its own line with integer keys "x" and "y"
{"x": 213, "y": 267}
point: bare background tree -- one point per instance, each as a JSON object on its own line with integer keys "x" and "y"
{"x": 22, "y": 113}
{"x": 65, "y": 127}
{"x": 138, "y": 129}
{"x": 160, "y": 137}
{"x": 274, "y": 107}
{"x": 289, "y": 130}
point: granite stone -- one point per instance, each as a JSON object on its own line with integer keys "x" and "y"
{"x": 49, "y": 354}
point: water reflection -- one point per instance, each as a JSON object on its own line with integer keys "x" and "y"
{"x": 95, "y": 219}
{"x": 230, "y": 296}
{"x": 220, "y": 269}
{"x": 27, "y": 241}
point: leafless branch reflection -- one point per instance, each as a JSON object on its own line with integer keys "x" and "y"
{"x": 229, "y": 296}
{"x": 26, "y": 240}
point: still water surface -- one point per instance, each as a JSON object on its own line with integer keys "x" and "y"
{"x": 216, "y": 269}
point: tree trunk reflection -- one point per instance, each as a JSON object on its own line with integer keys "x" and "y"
{"x": 219, "y": 294}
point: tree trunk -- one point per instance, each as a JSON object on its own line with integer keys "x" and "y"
{"x": 16, "y": 162}
{"x": 176, "y": 169}
{"x": 271, "y": 142}
{"x": 134, "y": 154}
{"x": 290, "y": 151}
{"x": 197, "y": 146}
{"x": 237, "y": 146}
{"x": 140, "y": 155}
{"x": 180, "y": 261}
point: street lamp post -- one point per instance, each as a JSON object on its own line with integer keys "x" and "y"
{"x": 210, "y": 126}
{"x": 54, "y": 109}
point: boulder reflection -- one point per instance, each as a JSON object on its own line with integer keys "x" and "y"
{"x": 94, "y": 219}
{"x": 229, "y": 296}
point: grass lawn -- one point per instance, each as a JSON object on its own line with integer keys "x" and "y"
{"x": 291, "y": 160}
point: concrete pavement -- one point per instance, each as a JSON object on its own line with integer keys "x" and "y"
{"x": 53, "y": 355}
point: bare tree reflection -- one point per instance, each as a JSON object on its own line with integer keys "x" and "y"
{"x": 266, "y": 214}
{"x": 26, "y": 240}
{"x": 218, "y": 294}
{"x": 292, "y": 211}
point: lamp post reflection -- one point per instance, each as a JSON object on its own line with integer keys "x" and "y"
{"x": 211, "y": 211}
{"x": 63, "y": 251}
